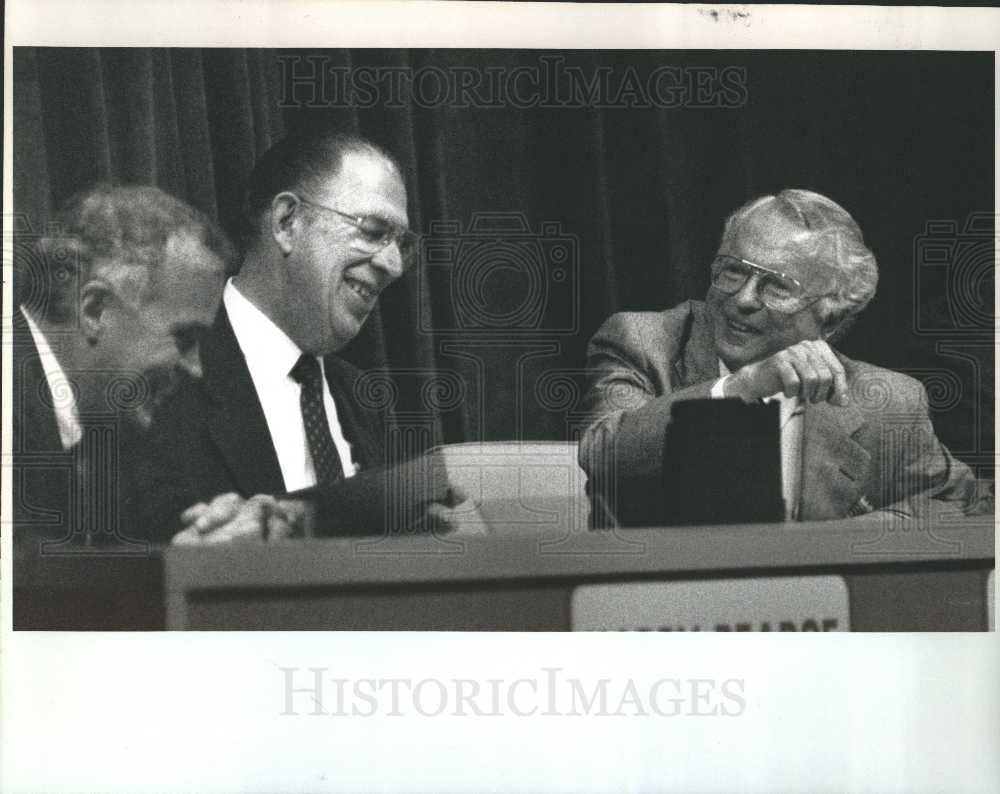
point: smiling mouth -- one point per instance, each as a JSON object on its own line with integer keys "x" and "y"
{"x": 365, "y": 291}
{"x": 735, "y": 325}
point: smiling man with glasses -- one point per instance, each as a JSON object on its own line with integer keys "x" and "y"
{"x": 326, "y": 232}
{"x": 791, "y": 274}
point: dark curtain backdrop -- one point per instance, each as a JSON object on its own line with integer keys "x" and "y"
{"x": 546, "y": 220}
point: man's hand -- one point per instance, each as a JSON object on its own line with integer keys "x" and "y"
{"x": 458, "y": 514}
{"x": 451, "y": 509}
{"x": 808, "y": 369}
{"x": 231, "y": 518}
{"x": 415, "y": 496}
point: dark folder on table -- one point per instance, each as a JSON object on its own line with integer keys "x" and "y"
{"x": 721, "y": 463}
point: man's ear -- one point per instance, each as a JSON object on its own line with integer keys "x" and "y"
{"x": 95, "y": 297}
{"x": 284, "y": 208}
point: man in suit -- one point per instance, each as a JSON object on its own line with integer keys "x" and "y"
{"x": 277, "y": 410}
{"x": 112, "y": 300}
{"x": 791, "y": 274}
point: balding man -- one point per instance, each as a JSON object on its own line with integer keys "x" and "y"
{"x": 791, "y": 274}
{"x": 113, "y": 303}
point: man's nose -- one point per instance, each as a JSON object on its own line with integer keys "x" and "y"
{"x": 747, "y": 297}
{"x": 389, "y": 260}
{"x": 190, "y": 362}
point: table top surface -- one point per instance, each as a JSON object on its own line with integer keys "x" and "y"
{"x": 520, "y": 550}
{"x": 536, "y": 551}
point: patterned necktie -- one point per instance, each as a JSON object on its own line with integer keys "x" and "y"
{"x": 326, "y": 461}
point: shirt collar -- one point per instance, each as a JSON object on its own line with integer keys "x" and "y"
{"x": 268, "y": 350}
{"x": 63, "y": 400}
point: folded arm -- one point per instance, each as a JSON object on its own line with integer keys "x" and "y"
{"x": 627, "y": 402}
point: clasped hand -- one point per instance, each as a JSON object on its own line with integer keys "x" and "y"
{"x": 232, "y": 518}
{"x": 809, "y": 370}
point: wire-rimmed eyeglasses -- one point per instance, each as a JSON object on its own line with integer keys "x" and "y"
{"x": 778, "y": 291}
{"x": 375, "y": 233}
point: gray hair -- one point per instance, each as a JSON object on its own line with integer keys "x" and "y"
{"x": 118, "y": 233}
{"x": 833, "y": 238}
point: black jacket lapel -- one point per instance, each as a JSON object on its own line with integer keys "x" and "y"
{"x": 363, "y": 429}
{"x": 235, "y": 419}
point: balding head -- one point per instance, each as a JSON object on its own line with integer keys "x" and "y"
{"x": 300, "y": 164}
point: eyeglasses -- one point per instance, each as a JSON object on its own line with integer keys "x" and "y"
{"x": 375, "y": 233}
{"x": 778, "y": 291}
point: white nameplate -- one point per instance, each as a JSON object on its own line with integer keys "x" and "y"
{"x": 799, "y": 603}
{"x": 991, "y": 614}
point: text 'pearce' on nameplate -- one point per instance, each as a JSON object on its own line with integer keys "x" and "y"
{"x": 799, "y": 603}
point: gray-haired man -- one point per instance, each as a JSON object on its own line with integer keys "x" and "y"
{"x": 791, "y": 273}
{"x": 113, "y": 302}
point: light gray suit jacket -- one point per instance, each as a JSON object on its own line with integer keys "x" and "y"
{"x": 877, "y": 453}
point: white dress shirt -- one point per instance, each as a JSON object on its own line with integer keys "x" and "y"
{"x": 63, "y": 400}
{"x": 270, "y": 356}
{"x": 790, "y": 414}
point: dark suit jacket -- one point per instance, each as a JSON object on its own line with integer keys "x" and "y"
{"x": 43, "y": 471}
{"x": 63, "y": 496}
{"x": 211, "y": 437}
{"x": 878, "y": 452}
